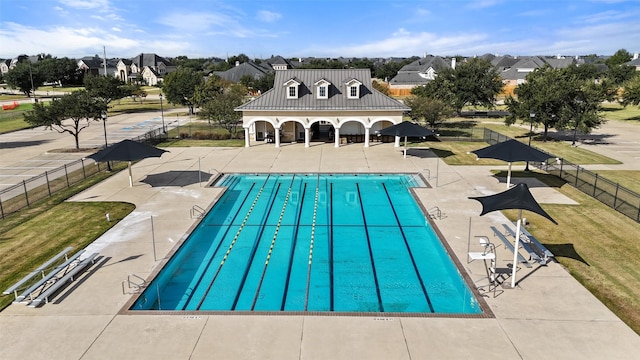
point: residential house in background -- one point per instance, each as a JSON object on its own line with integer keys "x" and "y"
{"x": 320, "y": 104}
{"x": 418, "y": 73}
{"x": 149, "y": 68}
{"x": 635, "y": 61}
{"x": 248, "y": 68}
{"x": 94, "y": 65}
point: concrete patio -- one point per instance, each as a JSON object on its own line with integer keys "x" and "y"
{"x": 548, "y": 315}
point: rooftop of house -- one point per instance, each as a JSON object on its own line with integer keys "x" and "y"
{"x": 307, "y": 97}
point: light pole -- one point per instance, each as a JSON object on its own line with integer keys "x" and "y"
{"x": 164, "y": 130}
{"x": 104, "y": 125}
{"x": 532, "y": 116}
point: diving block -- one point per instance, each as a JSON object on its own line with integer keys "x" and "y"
{"x": 509, "y": 246}
{"x": 58, "y": 284}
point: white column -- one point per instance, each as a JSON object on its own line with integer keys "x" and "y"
{"x": 366, "y": 137}
{"x": 397, "y": 143}
{"x": 336, "y": 138}
{"x": 277, "y": 131}
{"x": 307, "y": 136}
{"x": 246, "y": 137}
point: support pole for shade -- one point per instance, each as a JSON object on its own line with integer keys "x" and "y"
{"x": 509, "y": 176}
{"x": 516, "y": 245}
{"x": 405, "y": 147}
{"x": 130, "y": 176}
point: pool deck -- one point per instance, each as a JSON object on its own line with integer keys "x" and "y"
{"x": 548, "y": 315}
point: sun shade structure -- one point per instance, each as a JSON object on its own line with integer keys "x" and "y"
{"x": 518, "y": 197}
{"x": 127, "y": 150}
{"x": 511, "y": 151}
{"x": 406, "y": 129}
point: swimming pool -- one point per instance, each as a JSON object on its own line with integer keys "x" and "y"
{"x": 312, "y": 243}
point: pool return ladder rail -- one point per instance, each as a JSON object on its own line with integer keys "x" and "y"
{"x": 197, "y": 212}
{"x": 137, "y": 286}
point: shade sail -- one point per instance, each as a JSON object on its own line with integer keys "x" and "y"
{"x": 406, "y": 129}
{"x": 127, "y": 150}
{"x": 518, "y": 197}
{"x": 511, "y": 151}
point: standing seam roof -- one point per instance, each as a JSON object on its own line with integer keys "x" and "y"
{"x": 370, "y": 99}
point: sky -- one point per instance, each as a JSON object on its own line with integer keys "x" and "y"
{"x": 317, "y": 28}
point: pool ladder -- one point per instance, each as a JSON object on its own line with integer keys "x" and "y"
{"x": 436, "y": 213}
{"x": 197, "y": 212}
{"x": 133, "y": 286}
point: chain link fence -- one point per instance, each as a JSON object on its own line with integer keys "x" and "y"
{"x": 608, "y": 192}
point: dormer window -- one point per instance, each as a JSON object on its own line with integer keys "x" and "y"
{"x": 293, "y": 92}
{"x": 353, "y": 89}
{"x": 292, "y": 86}
{"x": 322, "y": 89}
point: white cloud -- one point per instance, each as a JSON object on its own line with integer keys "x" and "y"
{"x": 268, "y": 16}
{"x": 85, "y": 4}
{"x": 405, "y": 43}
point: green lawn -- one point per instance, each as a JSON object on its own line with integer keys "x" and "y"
{"x": 614, "y": 111}
{"x": 29, "y": 237}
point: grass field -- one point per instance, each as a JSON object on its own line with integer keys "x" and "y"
{"x": 597, "y": 245}
{"x": 30, "y": 237}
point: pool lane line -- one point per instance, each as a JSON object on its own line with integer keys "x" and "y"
{"x": 373, "y": 263}
{"x": 254, "y": 249}
{"x": 273, "y": 243}
{"x": 233, "y": 242}
{"x": 294, "y": 241}
{"x": 215, "y": 252}
{"x": 406, "y": 243}
{"x": 313, "y": 231}
{"x": 331, "y": 292}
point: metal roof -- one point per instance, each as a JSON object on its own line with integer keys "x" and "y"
{"x": 370, "y": 99}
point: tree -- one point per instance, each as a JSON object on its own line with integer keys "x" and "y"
{"x": 381, "y": 87}
{"x": 620, "y": 57}
{"x": 70, "y": 114}
{"x": 631, "y": 94}
{"x": 428, "y": 110}
{"x": 221, "y": 108}
{"x": 582, "y": 107}
{"x": 63, "y": 71}
{"x": 209, "y": 90}
{"x": 261, "y": 84}
{"x": 179, "y": 86}
{"x": 543, "y": 94}
{"x": 24, "y": 77}
{"x": 621, "y": 73}
{"x": 475, "y": 82}
{"x": 106, "y": 88}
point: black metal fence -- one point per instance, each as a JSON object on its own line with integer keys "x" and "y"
{"x": 26, "y": 192}
{"x": 606, "y": 191}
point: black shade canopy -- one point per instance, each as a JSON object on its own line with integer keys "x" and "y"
{"x": 127, "y": 150}
{"x": 518, "y": 197}
{"x": 511, "y": 151}
{"x": 406, "y": 129}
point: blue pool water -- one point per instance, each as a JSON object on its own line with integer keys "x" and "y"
{"x": 312, "y": 242}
